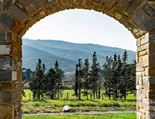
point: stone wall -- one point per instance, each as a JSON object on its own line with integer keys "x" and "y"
{"x": 17, "y": 16}
{"x": 145, "y": 84}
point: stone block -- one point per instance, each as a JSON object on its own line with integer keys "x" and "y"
{"x": 151, "y": 48}
{"x": 149, "y": 10}
{"x": 38, "y": 3}
{"x": 152, "y": 61}
{"x": 132, "y": 6}
{"x": 6, "y": 4}
{"x": 6, "y": 19}
{"x": 5, "y": 49}
{"x": 8, "y": 75}
{"x": 142, "y": 47}
{"x": 139, "y": 95}
{"x": 30, "y": 8}
{"x": 5, "y": 63}
{"x": 140, "y": 18}
{"x": 17, "y": 12}
{"x": 145, "y": 61}
{"x": 24, "y": 2}
{"x": 109, "y": 3}
{"x": 5, "y": 36}
{"x": 14, "y": 75}
{"x": 9, "y": 97}
{"x": 7, "y": 85}
{"x": 138, "y": 42}
{"x": 150, "y": 71}
{"x": 151, "y": 36}
{"x": 149, "y": 25}
{"x": 5, "y": 76}
{"x": 6, "y": 111}
{"x": 142, "y": 53}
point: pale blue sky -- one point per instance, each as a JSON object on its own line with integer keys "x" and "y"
{"x": 83, "y": 26}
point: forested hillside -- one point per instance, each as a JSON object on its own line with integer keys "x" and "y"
{"x": 66, "y": 53}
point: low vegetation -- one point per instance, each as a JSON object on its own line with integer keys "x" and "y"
{"x": 105, "y": 116}
{"x": 83, "y": 105}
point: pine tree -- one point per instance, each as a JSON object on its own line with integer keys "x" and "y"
{"x": 76, "y": 81}
{"x": 51, "y": 84}
{"x": 79, "y": 78}
{"x": 107, "y": 74}
{"x": 94, "y": 74}
{"x": 86, "y": 82}
{"x": 124, "y": 76}
{"x": 36, "y": 81}
{"x": 115, "y": 77}
{"x": 59, "y": 76}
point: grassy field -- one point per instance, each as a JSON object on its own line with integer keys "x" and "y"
{"x": 105, "y": 116}
{"x": 49, "y": 106}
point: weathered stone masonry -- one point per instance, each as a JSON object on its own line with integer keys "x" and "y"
{"x": 17, "y": 16}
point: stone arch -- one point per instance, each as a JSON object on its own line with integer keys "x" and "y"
{"x": 17, "y": 16}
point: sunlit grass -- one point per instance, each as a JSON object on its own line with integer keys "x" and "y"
{"x": 105, "y": 116}
{"x": 30, "y": 106}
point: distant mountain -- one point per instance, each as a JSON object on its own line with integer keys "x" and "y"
{"x": 66, "y": 53}
{"x": 31, "y": 56}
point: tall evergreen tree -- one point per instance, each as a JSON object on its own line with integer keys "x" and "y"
{"x": 76, "y": 81}
{"x": 94, "y": 74}
{"x": 59, "y": 76}
{"x": 51, "y": 84}
{"x": 79, "y": 78}
{"x": 36, "y": 81}
{"x": 124, "y": 76}
{"x": 107, "y": 74}
{"x": 115, "y": 77}
{"x": 86, "y": 82}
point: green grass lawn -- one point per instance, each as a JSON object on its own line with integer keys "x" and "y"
{"x": 105, "y": 116}
{"x": 30, "y": 106}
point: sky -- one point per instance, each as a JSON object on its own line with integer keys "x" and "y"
{"x": 83, "y": 26}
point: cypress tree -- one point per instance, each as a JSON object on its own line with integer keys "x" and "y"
{"x": 51, "y": 85}
{"x": 79, "y": 78}
{"x": 107, "y": 74}
{"x": 86, "y": 82}
{"x": 76, "y": 81}
{"x": 59, "y": 76}
{"x": 36, "y": 81}
{"x": 94, "y": 74}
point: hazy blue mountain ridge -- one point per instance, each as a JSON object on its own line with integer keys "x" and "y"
{"x": 66, "y": 53}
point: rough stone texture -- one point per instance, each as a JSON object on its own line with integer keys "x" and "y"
{"x": 6, "y": 19}
{"x": 17, "y": 16}
{"x": 150, "y": 10}
{"x": 7, "y": 63}
{"x": 5, "y": 36}
{"x": 16, "y": 12}
{"x": 5, "y": 75}
{"x": 145, "y": 77}
{"x": 5, "y": 49}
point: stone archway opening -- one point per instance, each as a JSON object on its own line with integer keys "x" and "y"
{"x": 17, "y": 16}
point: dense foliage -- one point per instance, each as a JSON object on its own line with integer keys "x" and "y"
{"x": 46, "y": 83}
{"x": 117, "y": 76}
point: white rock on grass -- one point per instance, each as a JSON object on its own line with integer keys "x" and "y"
{"x": 66, "y": 108}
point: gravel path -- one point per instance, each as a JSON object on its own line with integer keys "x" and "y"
{"x": 81, "y": 113}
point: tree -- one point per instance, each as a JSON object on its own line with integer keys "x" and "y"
{"x": 79, "y": 78}
{"x": 51, "y": 83}
{"x": 86, "y": 79}
{"x": 76, "y": 81}
{"x": 36, "y": 83}
{"x": 59, "y": 76}
{"x": 124, "y": 76}
{"x": 107, "y": 71}
{"x": 94, "y": 74}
